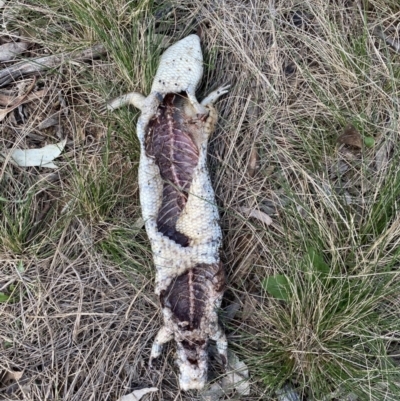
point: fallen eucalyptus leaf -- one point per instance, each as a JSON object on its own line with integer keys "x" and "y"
{"x": 138, "y": 394}
{"x": 213, "y": 393}
{"x": 42, "y": 157}
{"x": 17, "y": 102}
{"x": 50, "y": 121}
{"x": 8, "y": 51}
{"x": 237, "y": 376}
{"x": 257, "y": 214}
{"x": 11, "y": 100}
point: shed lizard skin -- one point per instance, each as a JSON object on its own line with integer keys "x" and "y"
{"x": 179, "y": 209}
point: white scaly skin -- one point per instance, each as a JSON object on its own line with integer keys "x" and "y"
{"x": 181, "y": 69}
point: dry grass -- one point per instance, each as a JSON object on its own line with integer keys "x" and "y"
{"x": 81, "y": 313}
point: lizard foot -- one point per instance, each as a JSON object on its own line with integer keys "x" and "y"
{"x": 215, "y": 95}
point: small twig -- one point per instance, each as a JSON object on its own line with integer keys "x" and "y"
{"x": 35, "y": 66}
{"x": 63, "y": 315}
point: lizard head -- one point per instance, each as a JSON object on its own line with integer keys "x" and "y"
{"x": 192, "y": 362}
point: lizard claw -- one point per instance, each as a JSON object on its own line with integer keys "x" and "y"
{"x": 223, "y": 89}
{"x": 215, "y": 95}
{"x": 154, "y": 364}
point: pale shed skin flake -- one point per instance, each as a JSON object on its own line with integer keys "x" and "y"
{"x": 179, "y": 209}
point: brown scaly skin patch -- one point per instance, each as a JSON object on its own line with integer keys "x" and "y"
{"x": 189, "y": 305}
{"x": 188, "y": 295}
{"x": 169, "y": 140}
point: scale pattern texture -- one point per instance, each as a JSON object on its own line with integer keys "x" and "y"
{"x": 169, "y": 141}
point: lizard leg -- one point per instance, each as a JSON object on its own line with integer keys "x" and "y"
{"x": 207, "y": 125}
{"x": 163, "y": 336}
{"x": 199, "y": 108}
{"x": 212, "y": 119}
{"x": 134, "y": 98}
{"x": 214, "y": 95}
{"x": 222, "y": 344}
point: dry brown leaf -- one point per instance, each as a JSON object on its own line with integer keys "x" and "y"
{"x": 10, "y": 100}
{"x": 17, "y": 101}
{"x": 253, "y": 165}
{"x": 8, "y": 51}
{"x": 351, "y": 137}
{"x": 12, "y": 376}
{"x": 50, "y": 121}
{"x": 257, "y": 214}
